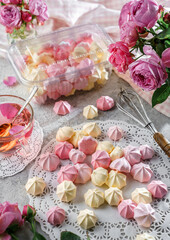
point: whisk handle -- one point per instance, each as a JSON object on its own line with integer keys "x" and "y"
{"x": 162, "y": 142}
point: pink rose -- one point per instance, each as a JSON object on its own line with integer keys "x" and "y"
{"x": 9, "y": 214}
{"x": 166, "y": 57}
{"x": 128, "y": 33}
{"x": 39, "y": 8}
{"x": 120, "y": 56}
{"x": 26, "y": 17}
{"x": 28, "y": 211}
{"x": 148, "y": 73}
{"x": 10, "y": 16}
{"x": 144, "y": 12}
{"x": 125, "y": 15}
{"x": 5, "y": 236}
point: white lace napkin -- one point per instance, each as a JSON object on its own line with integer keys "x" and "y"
{"x": 110, "y": 225}
{"x": 11, "y": 164}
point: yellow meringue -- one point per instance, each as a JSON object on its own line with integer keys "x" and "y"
{"x": 105, "y": 146}
{"x": 99, "y": 176}
{"x": 113, "y": 196}
{"x": 141, "y": 195}
{"x": 94, "y": 198}
{"x": 64, "y": 134}
{"x": 79, "y": 53}
{"x": 66, "y": 191}
{"x": 35, "y": 186}
{"x": 89, "y": 86}
{"x": 116, "y": 153}
{"x": 71, "y": 93}
{"x": 92, "y": 129}
{"x": 116, "y": 179}
{"x": 86, "y": 219}
{"x": 78, "y": 135}
{"x": 90, "y": 112}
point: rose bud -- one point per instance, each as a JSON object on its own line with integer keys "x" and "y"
{"x": 167, "y": 18}
{"x": 26, "y": 17}
{"x": 28, "y": 211}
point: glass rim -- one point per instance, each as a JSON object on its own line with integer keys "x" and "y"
{"x": 14, "y": 136}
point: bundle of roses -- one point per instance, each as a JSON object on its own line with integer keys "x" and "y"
{"x": 20, "y": 15}
{"x": 144, "y": 32}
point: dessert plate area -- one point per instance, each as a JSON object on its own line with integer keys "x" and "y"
{"x": 110, "y": 224}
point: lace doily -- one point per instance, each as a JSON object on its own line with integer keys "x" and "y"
{"x": 110, "y": 225}
{"x": 11, "y": 164}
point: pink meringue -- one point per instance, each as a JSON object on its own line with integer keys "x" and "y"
{"x": 87, "y": 145}
{"x": 72, "y": 74}
{"x": 49, "y": 161}
{"x": 144, "y": 214}
{"x": 115, "y": 133}
{"x": 132, "y": 154}
{"x": 56, "y": 216}
{"x": 100, "y": 159}
{"x": 141, "y": 172}
{"x": 68, "y": 173}
{"x": 77, "y": 156}
{"x": 105, "y": 103}
{"x": 126, "y": 208}
{"x": 55, "y": 69}
{"x": 62, "y": 150}
{"x": 84, "y": 173}
{"x": 81, "y": 83}
{"x": 85, "y": 37}
{"x": 121, "y": 165}
{"x": 85, "y": 67}
{"x": 146, "y": 152}
{"x": 53, "y": 95}
{"x": 62, "y": 108}
{"x": 158, "y": 189}
{"x": 64, "y": 87}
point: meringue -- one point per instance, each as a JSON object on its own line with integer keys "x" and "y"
{"x": 92, "y": 129}
{"x": 116, "y": 179}
{"x": 115, "y": 133}
{"x": 77, "y": 136}
{"x": 84, "y": 173}
{"x": 94, "y": 198}
{"x": 77, "y": 156}
{"x": 141, "y": 172}
{"x": 100, "y": 159}
{"x": 86, "y": 219}
{"x": 49, "y": 161}
{"x": 141, "y": 195}
{"x": 56, "y": 216}
{"x": 99, "y": 176}
{"x": 64, "y": 134}
{"x": 144, "y": 236}
{"x": 67, "y": 172}
{"x": 35, "y": 186}
{"x": 146, "y": 152}
{"x": 90, "y": 112}
{"x": 113, "y": 196}
{"x": 121, "y": 165}
{"x": 105, "y": 146}
{"x": 62, "y": 150}
{"x": 64, "y": 87}
{"x": 126, "y": 208}
{"x": 105, "y": 103}
{"x": 87, "y": 145}
{"x": 132, "y": 154}
{"x": 116, "y": 153}
{"x": 81, "y": 83}
{"x": 144, "y": 214}
{"x": 158, "y": 189}
{"x": 62, "y": 108}
{"x": 66, "y": 191}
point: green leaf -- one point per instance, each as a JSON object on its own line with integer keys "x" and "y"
{"x": 161, "y": 94}
{"x": 69, "y": 236}
{"x": 164, "y": 34}
{"x": 39, "y": 236}
{"x": 167, "y": 43}
{"x": 160, "y": 48}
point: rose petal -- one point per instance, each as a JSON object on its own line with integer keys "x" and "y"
{"x": 10, "y": 81}
{"x": 16, "y": 129}
{"x": 8, "y": 110}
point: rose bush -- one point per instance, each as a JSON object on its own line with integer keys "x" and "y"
{"x": 120, "y": 56}
{"x": 148, "y": 73}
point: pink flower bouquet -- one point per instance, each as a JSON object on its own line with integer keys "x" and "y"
{"x": 19, "y": 16}
{"x": 145, "y": 29}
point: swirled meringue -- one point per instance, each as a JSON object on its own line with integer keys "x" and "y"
{"x": 55, "y": 216}
{"x": 113, "y": 196}
{"x": 64, "y": 134}
{"x": 66, "y": 191}
{"x": 94, "y": 198}
{"x": 141, "y": 195}
{"x": 126, "y": 208}
{"x": 99, "y": 176}
{"x": 35, "y": 186}
{"x": 115, "y": 133}
{"x": 49, "y": 161}
{"x": 158, "y": 189}
{"x": 121, "y": 165}
{"x": 86, "y": 219}
{"x": 92, "y": 129}
{"x": 100, "y": 159}
{"x": 141, "y": 172}
{"x": 67, "y": 172}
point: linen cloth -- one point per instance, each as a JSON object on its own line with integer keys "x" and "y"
{"x": 67, "y": 13}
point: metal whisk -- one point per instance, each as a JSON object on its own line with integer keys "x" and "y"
{"x": 131, "y": 99}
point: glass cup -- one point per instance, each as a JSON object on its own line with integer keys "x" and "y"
{"x": 17, "y": 141}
